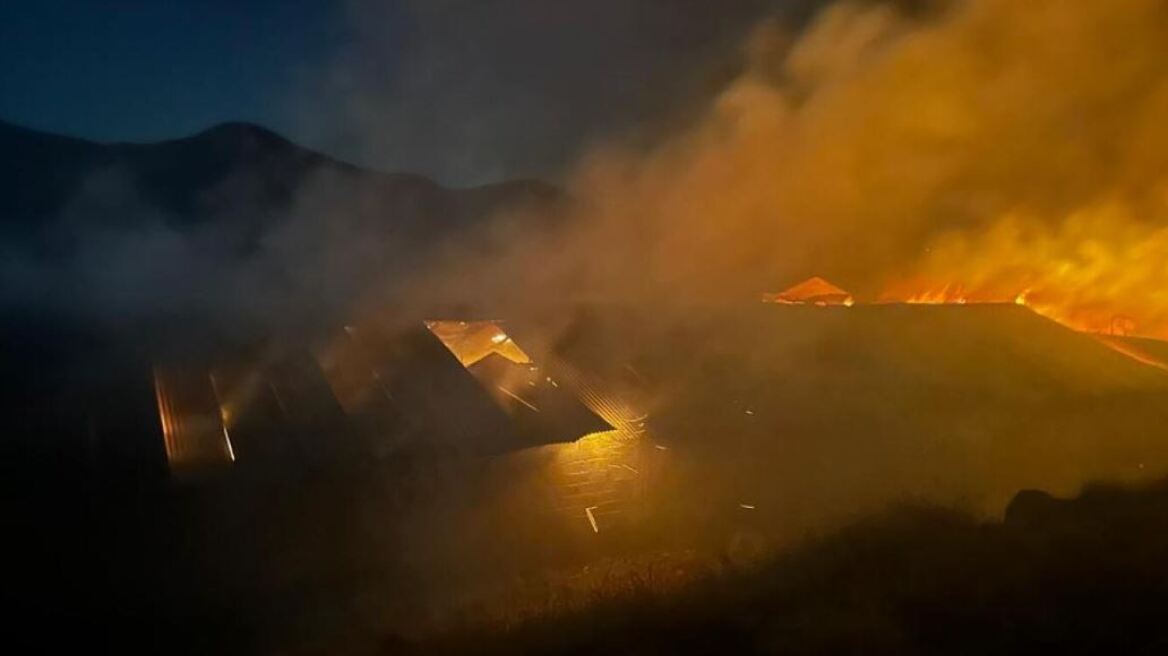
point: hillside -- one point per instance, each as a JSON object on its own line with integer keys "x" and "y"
{"x": 228, "y": 169}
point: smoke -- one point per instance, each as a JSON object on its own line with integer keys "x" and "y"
{"x": 477, "y": 92}
{"x": 717, "y": 153}
{"x": 1003, "y": 146}
{"x": 243, "y": 264}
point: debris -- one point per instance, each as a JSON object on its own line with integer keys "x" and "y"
{"x": 746, "y": 506}
{"x": 227, "y": 443}
{"x": 592, "y": 518}
{"x": 517, "y": 397}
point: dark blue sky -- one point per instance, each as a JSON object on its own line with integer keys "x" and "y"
{"x": 149, "y": 69}
{"x": 465, "y": 91}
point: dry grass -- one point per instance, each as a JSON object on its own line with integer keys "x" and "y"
{"x": 1086, "y": 576}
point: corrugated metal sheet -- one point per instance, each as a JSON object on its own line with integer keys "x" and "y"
{"x": 192, "y": 422}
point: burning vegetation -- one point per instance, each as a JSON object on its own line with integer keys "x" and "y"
{"x": 987, "y": 152}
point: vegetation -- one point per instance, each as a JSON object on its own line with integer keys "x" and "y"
{"x": 1082, "y": 576}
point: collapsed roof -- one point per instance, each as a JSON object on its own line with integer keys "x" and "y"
{"x": 405, "y": 391}
{"x": 471, "y": 341}
{"x": 540, "y": 408}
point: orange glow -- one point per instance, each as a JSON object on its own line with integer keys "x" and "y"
{"x": 1133, "y": 351}
{"x": 1096, "y": 317}
{"x": 471, "y": 341}
{"x": 598, "y": 475}
{"x": 1098, "y": 269}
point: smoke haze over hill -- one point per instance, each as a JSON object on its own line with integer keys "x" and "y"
{"x": 233, "y": 222}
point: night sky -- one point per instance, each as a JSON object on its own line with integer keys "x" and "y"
{"x": 143, "y": 69}
{"x": 463, "y": 91}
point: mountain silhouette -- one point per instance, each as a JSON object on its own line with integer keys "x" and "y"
{"x": 52, "y": 186}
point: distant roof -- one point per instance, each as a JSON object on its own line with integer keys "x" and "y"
{"x": 812, "y": 290}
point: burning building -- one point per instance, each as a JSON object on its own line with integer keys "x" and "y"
{"x": 813, "y": 291}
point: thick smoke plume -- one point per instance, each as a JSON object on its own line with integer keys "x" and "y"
{"x": 1007, "y": 148}
{"x": 473, "y": 92}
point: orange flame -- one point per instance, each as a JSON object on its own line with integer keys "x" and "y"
{"x": 948, "y": 294}
{"x": 1098, "y": 318}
